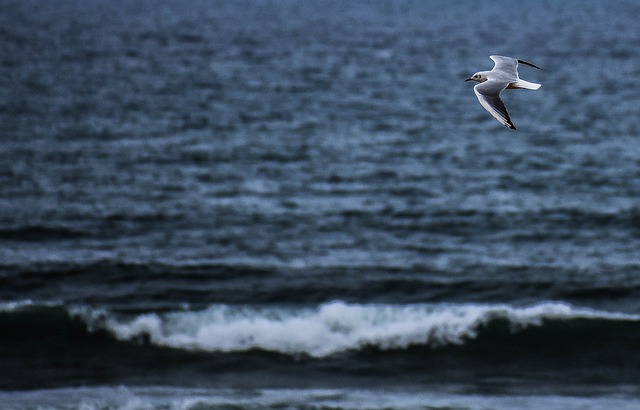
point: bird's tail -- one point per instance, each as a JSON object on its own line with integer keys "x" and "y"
{"x": 524, "y": 85}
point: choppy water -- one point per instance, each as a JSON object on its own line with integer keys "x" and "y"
{"x": 300, "y": 198}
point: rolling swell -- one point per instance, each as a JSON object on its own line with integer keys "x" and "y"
{"x": 54, "y": 345}
{"x": 162, "y": 286}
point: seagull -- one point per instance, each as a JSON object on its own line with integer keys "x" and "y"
{"x": 503, "y": 75}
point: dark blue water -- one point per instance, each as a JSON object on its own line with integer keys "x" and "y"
{"x": 264, "y": 202}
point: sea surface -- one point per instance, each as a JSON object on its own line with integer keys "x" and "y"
{"x": 261, "y": 204}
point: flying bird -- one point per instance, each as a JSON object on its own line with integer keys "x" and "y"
{"x": 503, "y": 75}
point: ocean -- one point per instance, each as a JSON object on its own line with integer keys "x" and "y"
{"x": 263, "y": 204}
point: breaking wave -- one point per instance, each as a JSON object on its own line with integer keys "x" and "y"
{"x": 327, "y": 329}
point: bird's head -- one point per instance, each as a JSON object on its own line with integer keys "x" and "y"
{"x": 480, "y": 77}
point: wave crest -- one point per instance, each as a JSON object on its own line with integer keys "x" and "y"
{"x": 327, "y": 329}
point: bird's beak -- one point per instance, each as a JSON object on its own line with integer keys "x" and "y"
{"x": 468, "y": 79}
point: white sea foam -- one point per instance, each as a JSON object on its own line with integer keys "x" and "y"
{"x": 329, "y": 328}
{"x": 175, "y": 398}
{"x": 17, "y": 305}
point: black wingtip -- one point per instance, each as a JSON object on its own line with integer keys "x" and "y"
{"x": 529, "y": 64}
{"x": 508, "y": 123}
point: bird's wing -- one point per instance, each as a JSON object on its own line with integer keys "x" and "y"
{"x": 488, "y": 94}
{"x": 506, "y": 67}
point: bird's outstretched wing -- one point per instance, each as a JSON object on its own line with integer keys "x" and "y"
{"x": 488, "y": 94}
